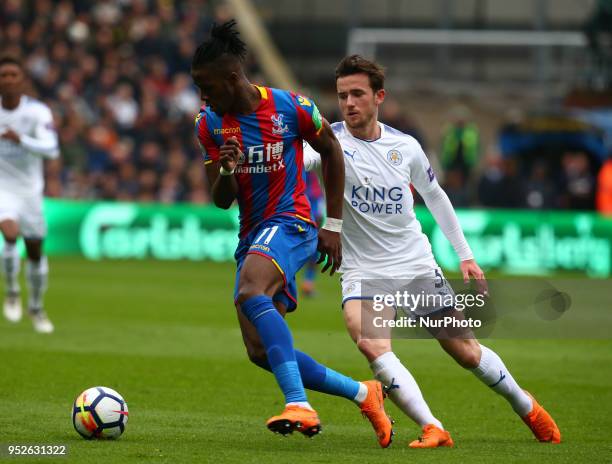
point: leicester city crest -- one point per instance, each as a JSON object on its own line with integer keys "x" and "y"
{"x": 395, "y": 157}
{"x": 351, "y": 288}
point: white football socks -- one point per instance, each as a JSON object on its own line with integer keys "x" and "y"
{"x": 361, "y": 395}
{"x": 11, "y": 264}
{"x": 301, "y": 404}
{"x": 492, "y": 372}
{"x": 403, "y": 389}
{"x": 37, "y": 274}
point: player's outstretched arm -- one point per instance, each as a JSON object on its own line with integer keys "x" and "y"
{"x": 221, "y": 174}
{"x": 332, "y": 162}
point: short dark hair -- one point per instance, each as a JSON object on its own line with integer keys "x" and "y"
{"x": 356, "y": 64}
{"x": 224, "y": 40}
{"x": 9, "y": 59}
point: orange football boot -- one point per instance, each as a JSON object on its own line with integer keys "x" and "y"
{"x": 432, "y": 437}
{"x": 372, "y": 408}
{"x": 295, "y": 417}
{"x": 541, "y": 423}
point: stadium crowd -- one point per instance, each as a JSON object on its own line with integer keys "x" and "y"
{"x": 116, "y": 75}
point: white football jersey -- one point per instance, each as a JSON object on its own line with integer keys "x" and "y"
{"x": 381, "y": 236}
{"x": 21, "y": 165}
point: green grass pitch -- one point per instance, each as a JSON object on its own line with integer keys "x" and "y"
{"x": 165, "y": 336}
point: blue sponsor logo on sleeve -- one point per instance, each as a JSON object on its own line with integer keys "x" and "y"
{"x": 431, "y": 174}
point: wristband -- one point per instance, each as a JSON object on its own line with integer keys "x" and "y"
{"x": 225, "y": 172}
{"x": 333, "y": 225}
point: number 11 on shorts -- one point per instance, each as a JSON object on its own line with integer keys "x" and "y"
{"x": 268, "y": 230}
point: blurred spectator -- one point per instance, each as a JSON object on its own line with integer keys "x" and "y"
{"x": 500, "y": 186}
{"x": 460, "y": 143}
{"x": 150, "y": 157}
{"x": 116, "y": 75}
{"x": 128, "y": 183}
{"x": 604, "y": 189}
{"x": 599, "y": 23}
{"x": 393, "y": 116}
{"x": 99, "y": 142}
{"x": 456, "y": 189}
{"x": 183, "y": 98}
{"x": 170, "y": 188}
{"x": 577, "y": 182}
{"x": 123, "y": 106}
{"x": 540, "y": 192}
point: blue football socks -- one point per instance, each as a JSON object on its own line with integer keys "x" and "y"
{"x": 277, "y": 340}
{"x": 325, "y": 380}
{"x": 317, "y": 377}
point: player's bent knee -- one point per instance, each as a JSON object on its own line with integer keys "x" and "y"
{"x": 246, "y": 292}
{"x": 466, "y": 352}
{"x": 10, "y": 237}
{"x": 468, "y": 356}
{"x": 373, "y": 348}
{"x": 248, "y": 289}
{"x": 10, "y": 231}
{"x": 256, "y": 353}
{"x": 258, "y": 357}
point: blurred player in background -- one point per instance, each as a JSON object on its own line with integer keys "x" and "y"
{"x": 382, "y": 239}
{"x": 314, "y": 192}
{"x": 252, "y": 141}
{"x": 27, "y": 136}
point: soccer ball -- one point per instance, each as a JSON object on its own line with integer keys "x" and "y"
{"x": 99, "y": 412}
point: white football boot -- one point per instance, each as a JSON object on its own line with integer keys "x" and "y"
{"x": 41, "y": 321}
{"x": 12, "y": 307}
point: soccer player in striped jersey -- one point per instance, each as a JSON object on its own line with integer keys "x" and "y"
{"x": 27, "y": 137}
{"x": 385, "y": 247}
{"x": 252, "y": 142}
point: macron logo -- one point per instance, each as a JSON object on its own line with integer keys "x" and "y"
{"x": 227, "y": 131}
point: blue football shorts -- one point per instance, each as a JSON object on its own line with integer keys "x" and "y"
{"x": 288, "y": 242}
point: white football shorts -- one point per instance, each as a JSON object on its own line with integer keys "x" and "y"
{"x": 428, "y": 282}
{"x": 27, "y": 211}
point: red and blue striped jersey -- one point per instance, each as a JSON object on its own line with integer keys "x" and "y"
{"x": 270, "y": 175}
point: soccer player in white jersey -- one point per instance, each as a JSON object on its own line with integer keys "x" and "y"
{"x": 382, "y": 239}
{"x": 27, "y": 137}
